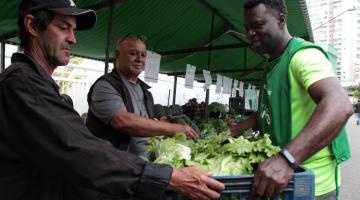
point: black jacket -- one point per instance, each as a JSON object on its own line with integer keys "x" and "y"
{"x": 106, "y": 131}
{"x": 45, "y": 149}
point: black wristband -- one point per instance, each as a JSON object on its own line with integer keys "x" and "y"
{"x": 289, "y": 158}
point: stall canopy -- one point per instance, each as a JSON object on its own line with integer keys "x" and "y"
{"x": 208, "y": 34}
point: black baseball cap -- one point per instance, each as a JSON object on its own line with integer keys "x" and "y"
{"x": 85, "y": 18}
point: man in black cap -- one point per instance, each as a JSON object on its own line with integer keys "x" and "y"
{"x": 45, "y": 150}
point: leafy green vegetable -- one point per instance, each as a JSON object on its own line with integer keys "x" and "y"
{"x": 216, "y": 107}
{"x": 212, "y": 127}
{"x": 168, "y": 111}
{"x": 221, "y": 154}
{"x": 172, "y": 151}
{"x": 240, "y": 118}
{"x": 158, "y": 111}
{"x": 176, "y": 110}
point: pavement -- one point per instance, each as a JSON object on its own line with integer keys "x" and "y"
{"x": 350, "y": 170}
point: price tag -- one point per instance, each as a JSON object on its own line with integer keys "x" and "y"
{"x": 152, "y": 67}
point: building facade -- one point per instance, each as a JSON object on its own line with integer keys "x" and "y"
{"x": 336, "y": 23}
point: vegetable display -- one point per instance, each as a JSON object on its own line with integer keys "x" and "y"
{"x": 222, "y": 154}
{"x": 217, "y": 110}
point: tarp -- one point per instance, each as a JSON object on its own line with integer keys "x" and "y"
{"x": 179, "y": 30}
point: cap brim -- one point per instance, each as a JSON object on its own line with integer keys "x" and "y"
{"x": 85, "y": 18}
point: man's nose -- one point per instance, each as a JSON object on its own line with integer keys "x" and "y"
{"x": 139, "y": 58}
{"x": 250, "y": 32}
{"x": 71, "y": 37}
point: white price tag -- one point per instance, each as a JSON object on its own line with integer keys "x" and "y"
{"x": 152, "y": 67}
{"x": 227, "y": 85}
{"x": 234, "y": 88}
{"x": 190, "y": 75}
{"x": 219, "y": 80}
{"x": 241, "y": 89}
{"x": 207, "y": 77}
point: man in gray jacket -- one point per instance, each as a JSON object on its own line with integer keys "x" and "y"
{"x": 121, "y": 108}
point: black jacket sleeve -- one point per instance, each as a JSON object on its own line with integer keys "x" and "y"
{"x": 50, "y": 137}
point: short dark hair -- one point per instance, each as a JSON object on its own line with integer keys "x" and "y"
{"x": 42, "y": 20}
{"x": 278, "y": 5}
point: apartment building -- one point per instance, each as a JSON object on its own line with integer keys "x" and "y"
{"x": 336, "y": 23}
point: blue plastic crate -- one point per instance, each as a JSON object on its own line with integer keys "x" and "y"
{"x": 301, "y": 187}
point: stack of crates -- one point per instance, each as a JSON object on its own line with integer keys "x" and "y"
{"x": 301, "y": 187}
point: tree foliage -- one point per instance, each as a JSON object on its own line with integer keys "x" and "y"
{"x": 354, "y": 90}
{"x": 357, "y": 94}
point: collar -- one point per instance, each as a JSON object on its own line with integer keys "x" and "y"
{"x": 282, "y": 53}
{"x": 20, "y": 57}
{"x": 118, "y": 76}
{"x": 270, "y": 63}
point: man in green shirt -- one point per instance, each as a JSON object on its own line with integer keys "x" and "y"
{"x": 301, "y": 104}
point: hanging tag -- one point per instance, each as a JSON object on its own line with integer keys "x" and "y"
{"x": 241, "y": 89}
{"x": 152, "y": 67}
{"x": 207, "y": 77}
{"x": 234, "y": 88}
{"x": 190, "y": 75}
{"x": 219, "y": 80}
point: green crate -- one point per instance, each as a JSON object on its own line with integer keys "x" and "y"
{"x": 301, "y": 187}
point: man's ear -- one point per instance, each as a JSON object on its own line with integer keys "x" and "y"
{"x": 29, "y": 24}
{"x": 282, "y": 20}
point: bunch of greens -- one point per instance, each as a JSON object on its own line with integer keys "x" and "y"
{"x": 212, "y": 127}
{"x": 170, "y": 150}
{"x": 216, "y": 107}
{"x": 176, "y": 110}
{"x": 217, "y": 110}
{"x": 158, "y": 111}
{"x": 190, "y": 108}
{"x": 222, "y": 154}
{"x": 185, "y": 120}
{"x": 240, "y": 118}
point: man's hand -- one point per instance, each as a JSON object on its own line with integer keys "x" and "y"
{"x": 187, "y": 130}
{"x": 231, "y": 121}
{"x": 232, "y": 126}
{"x": 194, "y": 183}
{"x": 237, "y": 128}
{"x": 271, "y": 177}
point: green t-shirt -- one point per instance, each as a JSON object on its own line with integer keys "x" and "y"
{"x": 303, "y": 73}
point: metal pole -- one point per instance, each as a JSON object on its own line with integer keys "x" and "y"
{"x": 174, "y": 90}
{"x": 331, "y": 19}
{"x": 2, "y": 68}
{"x": 209, "y": 62}
{"x": 169, "y": 98}
{"x": 245, "y": 60}
{"x": 111, "y": 2}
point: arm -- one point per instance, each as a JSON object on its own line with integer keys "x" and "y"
{"x": 50, "y": 139}
{"x": 331, "y": 113}
{"x": 135, "y": 125}
{"x": 108, "y": 106}
{"x": 251, "y": 122}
